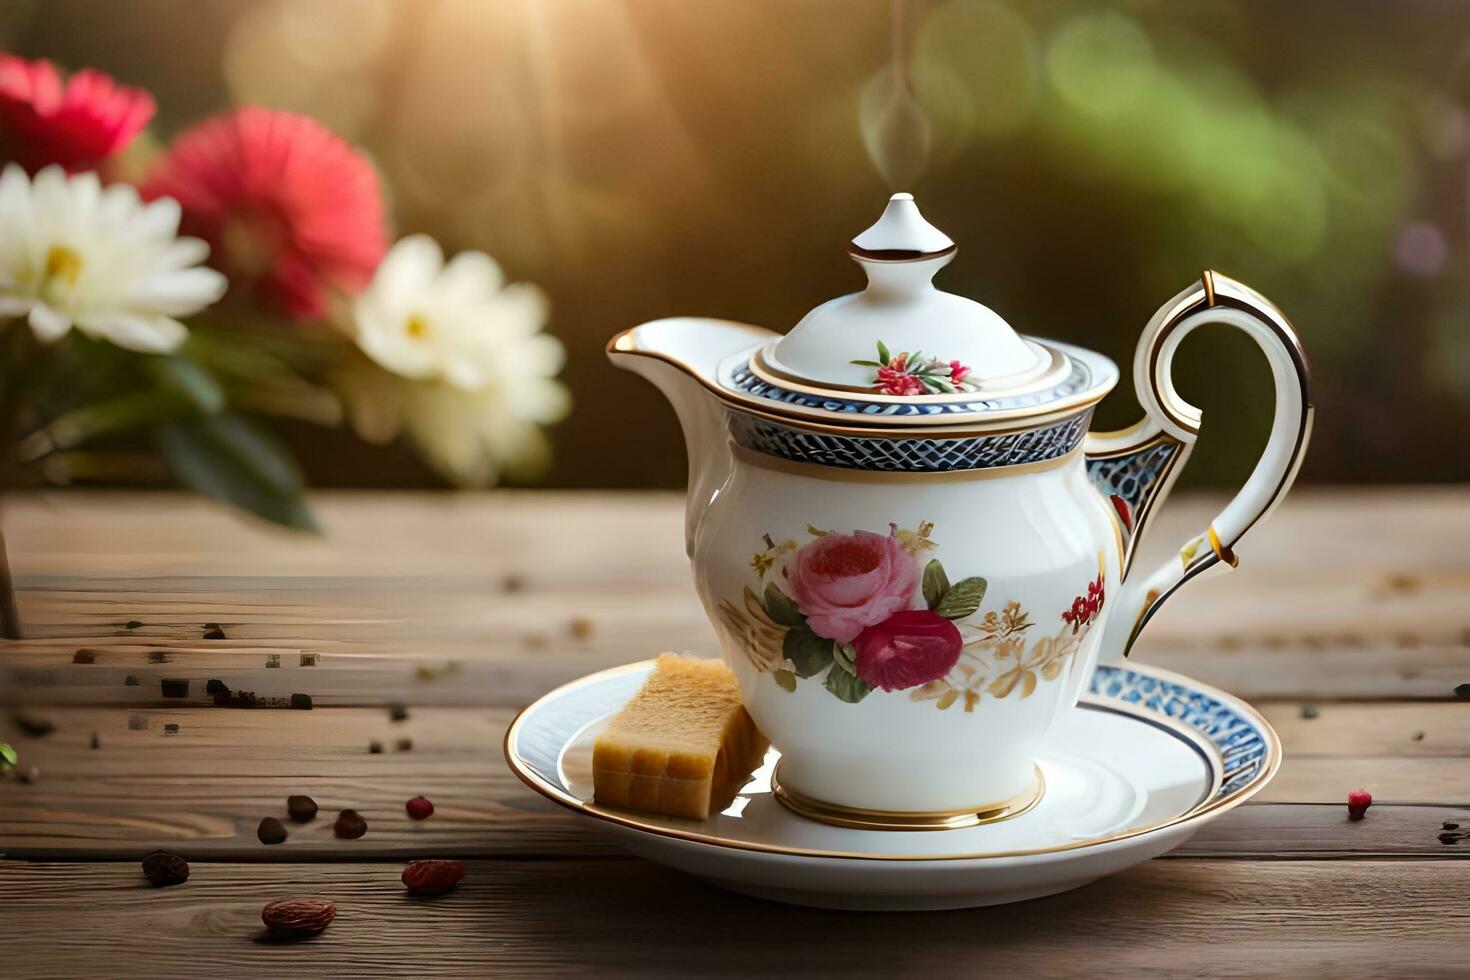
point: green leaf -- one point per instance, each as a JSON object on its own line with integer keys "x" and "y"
{"x": 188, "y": 379}
{"x": 845, "y": 657}
{"x": 785, "y": 680}
{"x": 847, "y": 687}
{"x": 816, "y": 532}
{"x": 781, "y": 609}
{"x": 807, "y": 651}
{"x": 962, "y": 599}
{"x": 883, "y": 354}
{"x": 8, "y": 756}
{"x": 865, "y": 363}
{"x": 232, "y": 459}
{"x": 936, "y": 583}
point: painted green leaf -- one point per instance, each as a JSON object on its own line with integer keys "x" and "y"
{"x": 807, "y": 651}
{"x": 780, "y": 608}
{"x": 936, "y": 583}
{"x": 883, "y": 354}
{"x": 847, "y": 687}
{"x": 845, "y": 657}
{"x": 865, "y": 363}
{"x": 785, "y": 679}
{"x": 7, "y": 755}
{"x": 816, "y": 532}
{"x": 962, "y": 599}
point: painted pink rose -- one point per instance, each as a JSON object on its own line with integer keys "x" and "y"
{"x": 909, "y": 648}
{"x": 843, "y": 583}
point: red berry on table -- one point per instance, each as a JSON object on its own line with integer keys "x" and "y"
{"x": 419, "y": 807}
{"x": 1358, "y": 802}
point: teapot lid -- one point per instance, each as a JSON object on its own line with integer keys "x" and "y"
{"x": 902, "y": 336}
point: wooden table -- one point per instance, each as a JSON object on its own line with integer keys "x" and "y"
{"x": 463, "y": 608}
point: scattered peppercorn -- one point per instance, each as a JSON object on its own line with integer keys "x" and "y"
{"x": 349, "y": 825}
{"x": 130, "y": 681}
{"x": 301, "y": 702}
{"x": 1450, "y": 838}
{"x": 404, "y": 745}
{"x": 175, "y": 687}
{"x": 213, "y": 632}
{"x": 1450, "y": 825}
{"x": 1309, "y": 711}
{"x": 301, "y": 808}
{"x": 163, "y": 868}
{"x": 419, "y": 808}
{"x": 1358, "y": 802}
{"x": 33, "y": 725}
{"x": 171, "y": 728}
{"x": 375, "y": 747}
{"x": 1417, "y": 737}
{"x": 432, "y": 877}
{"x": 271, "y": 831}
{"x": 398, "y": 712}
{"x": 84, "y": 657}
{"x": 216, "y": 687}
{"x": 298, "y": 916}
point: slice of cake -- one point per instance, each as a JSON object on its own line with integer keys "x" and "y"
{"x": 682, "y": 747}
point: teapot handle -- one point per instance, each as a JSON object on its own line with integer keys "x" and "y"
{"x": 1136, "y": 467}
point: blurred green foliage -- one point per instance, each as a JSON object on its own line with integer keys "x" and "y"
{"x": 653, "y": 157}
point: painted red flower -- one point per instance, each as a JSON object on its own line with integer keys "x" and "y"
{"x": 1086, "y": 608}
{"x": 290, "y": 210}
{"x": 77, "y": 125}
{"x": 896, "y": 381}
{"x": 909, "y": 648}
{"x": 843, "y": 583}
{"x": 957, "y": 372}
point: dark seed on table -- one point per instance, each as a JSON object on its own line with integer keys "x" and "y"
{"x": 1417, "y": 737}
{"x": 1462, "y": 690}
{"x": 1309, "y": 711}
{"x": 96, "y": 742}
{"x": 171, "y": 728}
{"x": 404, "y": 745}
{"x": 216, "y": 686}
{"x": 159, "y": 657}
{"x": 130, "y": 681}
{"x": 349, "y": 825}
{"x": 375, "y": 747}
{"x": 271, "y": 831}
{"x": 1450, "y": 838}
{"x": 301, "y": 808}
{"x": 175, "y": 687}
{"x": 301, "y": 701}
{"x": 84, "y": 657}
{"x": 398, "y": 712}
{"x": 33, "y": 725}
{"x": 419, "y": 808}
{"x": 1450, "y": 825}
{"x": 163, "y": 869}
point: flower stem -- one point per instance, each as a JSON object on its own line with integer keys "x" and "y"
{"x": 16, "y": 379}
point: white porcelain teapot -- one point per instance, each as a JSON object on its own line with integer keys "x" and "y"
{"x": 913, "y": 549}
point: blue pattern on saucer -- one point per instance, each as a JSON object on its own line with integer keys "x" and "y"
{"x": 1242, "y": 745}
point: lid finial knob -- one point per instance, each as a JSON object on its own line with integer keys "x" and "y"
{"x": 901, "y": 233}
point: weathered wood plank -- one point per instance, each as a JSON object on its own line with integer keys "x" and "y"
{"x": 616, "y": 917}
{"x": 206, "y": 787}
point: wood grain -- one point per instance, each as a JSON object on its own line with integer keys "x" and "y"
{"x": 617, "y": 917}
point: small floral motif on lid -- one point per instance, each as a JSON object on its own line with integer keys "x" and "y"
{"x": 915, "y": 374}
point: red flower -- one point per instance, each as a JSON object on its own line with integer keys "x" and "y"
{"x": 957, "y": 372}
{"x": 289, "y": 209}
{"x": 843, "y": 583}
{"x": 77, "y": 125}
{"x": 1086, "y": 608}
{"x": 909, "y": 648}
{"x": 895, "y": 381}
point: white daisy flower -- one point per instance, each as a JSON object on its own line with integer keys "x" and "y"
{"x": 483, "y": 372}
{"x": 73, "y": 254}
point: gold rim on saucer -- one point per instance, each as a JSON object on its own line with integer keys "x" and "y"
{"x": 862, "y": 819}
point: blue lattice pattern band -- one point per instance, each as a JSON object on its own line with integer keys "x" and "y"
{"x": 916, "y": 455}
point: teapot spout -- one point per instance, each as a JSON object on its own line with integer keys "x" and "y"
{"x": 679, "y": 356}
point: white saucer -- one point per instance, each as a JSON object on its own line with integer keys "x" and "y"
{"x": 1147, "y": 760}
